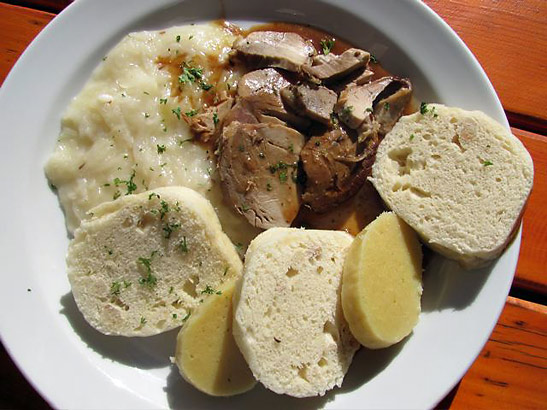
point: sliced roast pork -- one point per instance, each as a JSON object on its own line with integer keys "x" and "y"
{"x": 336, "y": 167}
{"x": 330, "y": 67}
{"x": 275, "y": 49}
{"x": 315, "y": 102}
{"x": 258, "y": 167}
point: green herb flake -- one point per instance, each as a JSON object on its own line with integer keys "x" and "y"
{"x": 161, "y": 149}
{"x": 143, "y": 320}
{"x": 191, "y": 113}
{"x": 386, "y": 106}
{"x": 268, "y": 187}
{"x": 108, "y": 250}
{"x": 129, "y": 184}
{"x": 423, "y": 108}
{"x": 373, "y": 59}
{"x": 190, "y": 74}
{"x": 115, "y": 288}
{"x": 116, "y": 195}
{"x": 181, "y": 142}
{"x": 210, "y": 291}
{"x": 152, "y": 195}
{"x": 178, "y": 39}
{"x": 163, "y": 101}
{"x": 225, "y": 271}
{"x": 171, "y": 289}
{"x": 146, "y": 115}
{"x": 150, "y": 280}
{"x": 183, "y": 245}
{"x": 164, "y": 209}
{"x": 411, "y": 137}
{"x": 487, "y": 163}
{"x": 205, "y": 86}
{"x": 283, "y": 176}
{"x": 326, "y": 45}
{"x": 185, "y": 318}
{"x": 168, "y": 229}
{"x": 291, "y": 147}
{"x": 215, "y": 118}
{"x": 176, "y": 112}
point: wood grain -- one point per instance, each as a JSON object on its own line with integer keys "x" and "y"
{"x": 18, "y": 27}
{"x": 509, "y": 38}
{"x": 511, "y": 371}
{"x": 531, "y": 268}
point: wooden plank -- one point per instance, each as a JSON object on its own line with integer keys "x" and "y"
{"x": 532, "y": 263}
{"x": 54, "y": 6}
{"x": 510, "y": 372}
{"x": 509, "y": 38}
{"x": 19, "y": 26}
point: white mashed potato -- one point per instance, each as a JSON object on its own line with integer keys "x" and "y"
{"x": 125, "y": 132}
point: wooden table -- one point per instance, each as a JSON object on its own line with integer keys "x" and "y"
{"x": 509, "y": 38}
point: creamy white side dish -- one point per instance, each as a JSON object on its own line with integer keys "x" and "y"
{"x": 125, "y": 132}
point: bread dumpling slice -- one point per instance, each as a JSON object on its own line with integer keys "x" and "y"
{"x": 288, "y": 319}
{"x": 207, "y": 355}
{"x": 144, "y": 261}
{"x": 382, "y": 282}
{"x": 458, "y": 178}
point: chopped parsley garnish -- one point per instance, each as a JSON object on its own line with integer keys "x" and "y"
{"x": 209, "y": 290}
{"x": 130, "y": 185}
{"x": 115, "y": 288}
{"x": 152, "y": 195}
{"x": 183, "y": 245}
{"x": 283, "y": 176}
{"x": 150, "y": 280}
{"x": 116, "y": 195}
{"x": 143, "y": 320}
{"x": 386, "y": 106}
{"x": 190, "y": 74}
{"x": 191, "y": 113}
{"x": 178, "y": 39}
{"x": 241, "y": 148}
{"x": 176, "y": 112}
{"x": 423, "y": 108}
{"x": 163, "y": 100}
{"x": 190, "y": 37}
{"x": 164, "y": 209}
{"x": 239, "y": 246}
{"x": 161, "y": 149}
{"x": 174, "y": 316}
{"x": 171, "y": 289}
{"x": 411, "y": 137}
{"x": 244, "y": 207}
{"x": 346, "y": 111}
{"x": 146, "y": 115}
{"x": 291, "y": 147}
{"x": 373, "y": 59}
{"x": 268, "y": 187}
{"x": 181, "y": 142}
{"x": 326, "y": 45}
{"x": 185, "y": 318}
{"x": 169, "y": 228}
{"x": 487, "y": 163}
{"x": 205, "y": 86}
{"x": 215, "y": 118}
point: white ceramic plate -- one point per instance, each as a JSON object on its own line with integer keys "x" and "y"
{"x": 72, "y": 365}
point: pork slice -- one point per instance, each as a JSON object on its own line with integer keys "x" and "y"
{"x": 288, "y": 51}
{"x": 314, "y": 102}
{"x": 330, "y": 67}
{"x": 336, "y": 167}
{"x": 258, "y": 169}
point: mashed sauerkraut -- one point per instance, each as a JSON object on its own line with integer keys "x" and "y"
{"x": 126, "y": 132}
